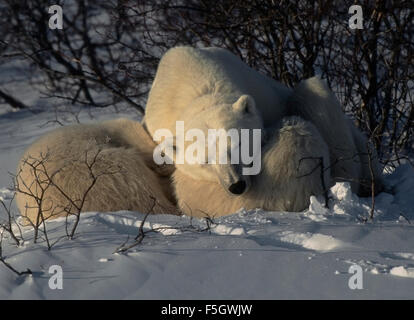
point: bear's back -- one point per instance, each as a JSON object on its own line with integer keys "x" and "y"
{"x": 185, "y": 74}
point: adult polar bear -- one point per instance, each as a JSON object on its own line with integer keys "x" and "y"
{"x": 212, "y": 88}
{"x": 349, "y": 155}
{"x": 291, "y": 173}
{"x": 64, "y": 162}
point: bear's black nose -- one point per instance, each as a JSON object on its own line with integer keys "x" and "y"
{"x": 238, "y": 187}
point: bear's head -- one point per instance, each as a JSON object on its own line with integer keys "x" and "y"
{"x": 213, "y": 141}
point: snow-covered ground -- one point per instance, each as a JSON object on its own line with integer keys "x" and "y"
{"x": 248, "y": 255}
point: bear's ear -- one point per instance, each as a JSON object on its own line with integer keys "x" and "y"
{"x": 245, "y": 104}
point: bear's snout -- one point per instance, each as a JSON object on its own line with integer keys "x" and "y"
{"x": 238, "y": 188}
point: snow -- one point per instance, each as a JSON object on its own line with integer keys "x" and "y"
{"x": 248, "y": 255}
{"x": 402, "y": 272}
{"x": 313, "y": 241}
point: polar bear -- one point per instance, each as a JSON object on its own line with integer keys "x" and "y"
{"x": 212, "y": 88}
{"x": 315, "y": 102}
{"x": 61, "y": 167}
{"x": 367, "y": 158}
{"x": 295, "y": 165}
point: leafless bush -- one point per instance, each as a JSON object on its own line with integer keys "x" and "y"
{"x": 44, "y": 179}
{"x": 8, "y": 265}
{"x": 9, "y": 227}
{"x": 125, "y": 246}
{"x": 86, "y": 63}
{"x": 10, "y": 222}
{"x": 371, "y": 70}
{"x": 107, "y": 52}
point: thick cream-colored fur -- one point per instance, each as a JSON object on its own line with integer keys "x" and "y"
{"x": 211, "y": 89}
{"x": 291, "y": 173}
{"x": 369, "y": 164}
{"x": 217, "y": 76}
{"x": 314, "y": 101}
{"x": 127, "y": 177}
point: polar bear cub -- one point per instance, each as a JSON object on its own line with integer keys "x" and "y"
{"x": 212, "y": 88}
{"x": 295, "y": 165}
{"x": 61, "y": 166}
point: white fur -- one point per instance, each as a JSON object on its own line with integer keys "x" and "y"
{"x": 313, "y": 101}
{"x": 369, "y": 165}
{"x": 291, "y": 173}
{"x": 217, "y": 76}
{"x": 205, "y": 88}
{"x": 128, "y": 178}
{"x": 202, "y": 86}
